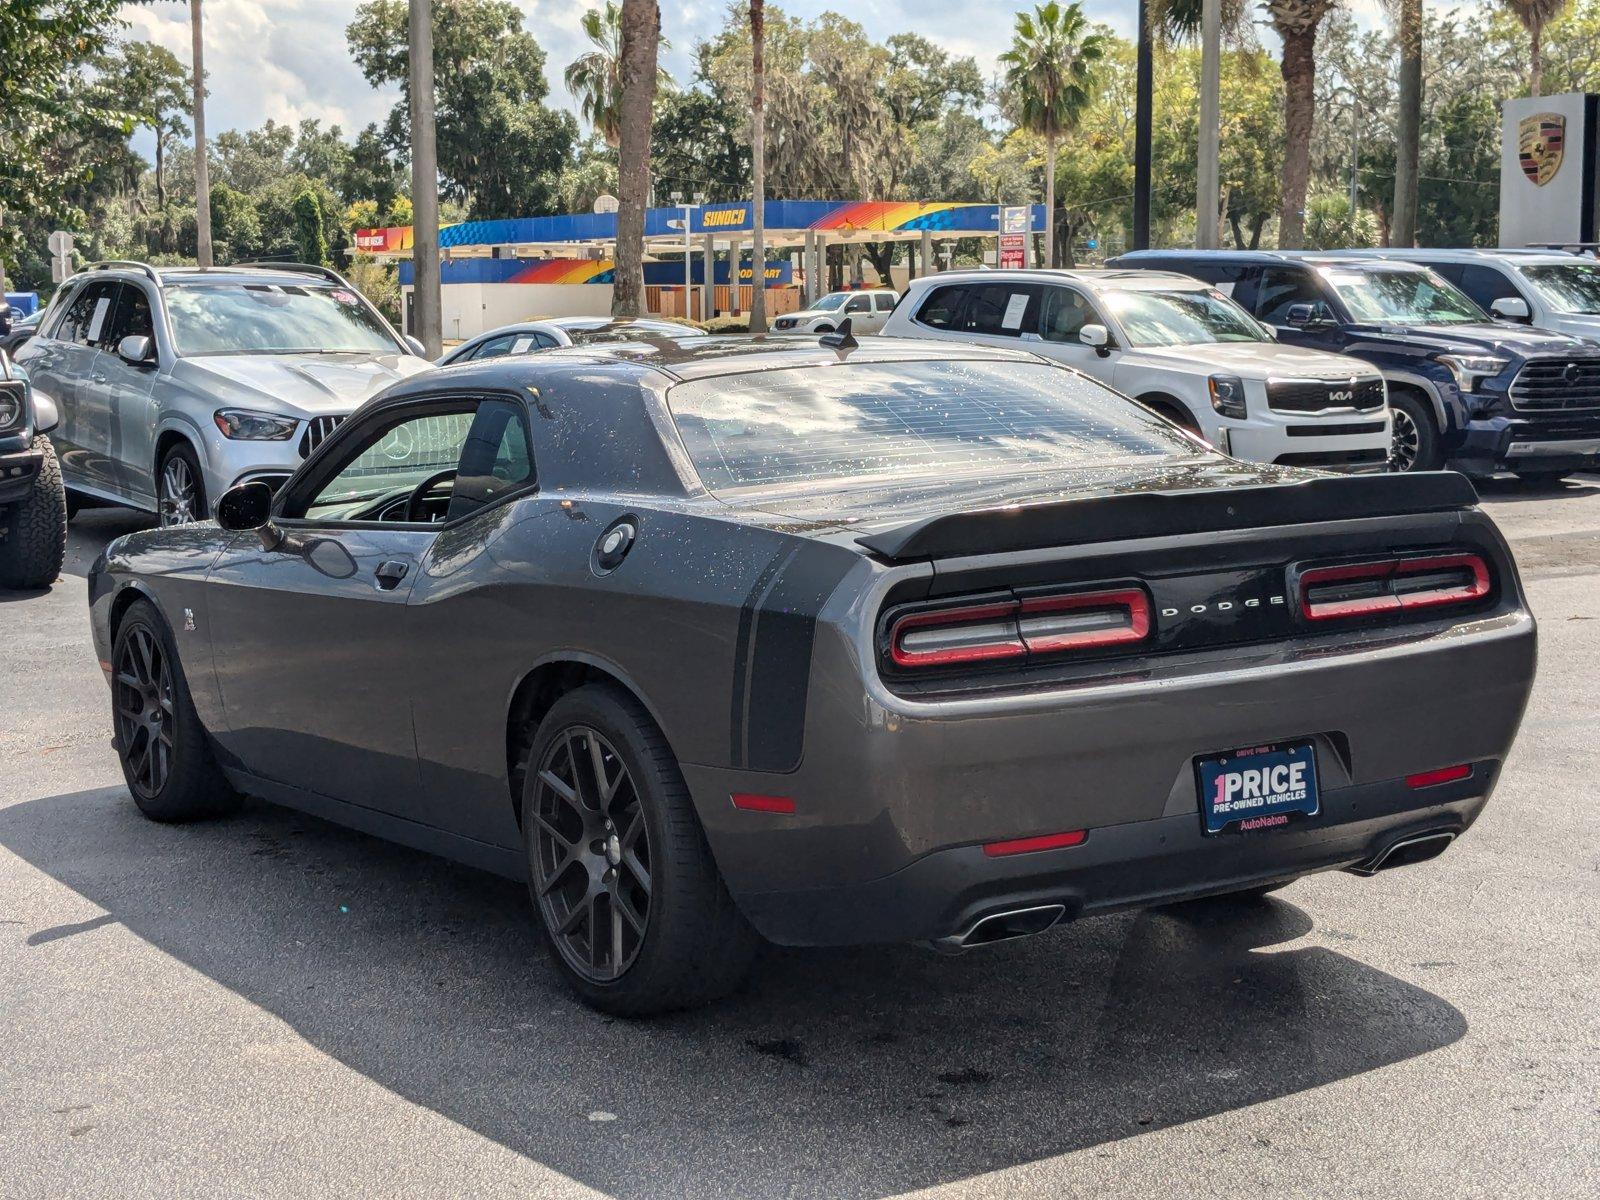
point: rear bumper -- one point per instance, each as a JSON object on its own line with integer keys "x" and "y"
{"x": 1128, "y": 866}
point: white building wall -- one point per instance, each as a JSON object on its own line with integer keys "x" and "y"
{"x": 469, "y": 309}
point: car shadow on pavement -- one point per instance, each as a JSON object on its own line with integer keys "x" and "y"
{"x": 856, "y": 1073}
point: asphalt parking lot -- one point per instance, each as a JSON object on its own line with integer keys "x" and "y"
{"x": 272, "y": 1006}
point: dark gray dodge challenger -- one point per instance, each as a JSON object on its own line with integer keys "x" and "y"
{"x": 821, "y": 644}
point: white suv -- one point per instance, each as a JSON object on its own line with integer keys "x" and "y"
{"x": 1179, "y": 346}
{"x": 1548, "y": 289}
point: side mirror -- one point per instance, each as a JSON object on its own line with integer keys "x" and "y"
{"x": 136, "y": 350}
{"x": 1301, "y": 315}
{"x": 1096, "y": 336}
{"x": 7, "y": 315}
{"x": 247, "y": 506}
{"x": 415, "y": 346}
{"x": 46, "y": 416}
{"x": 1511, "y": 308}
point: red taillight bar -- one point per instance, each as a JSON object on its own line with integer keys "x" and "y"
{"x": 1389, "y": 574}
{"x": 1017, "y": 628}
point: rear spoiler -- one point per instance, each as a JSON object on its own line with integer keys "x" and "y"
{"x": 1160, "y": 514}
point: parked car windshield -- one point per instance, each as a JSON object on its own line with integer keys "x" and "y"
{"x": 1396, "y": 297}
{"x": 273, "y": 318}
{"x": 1567, "y": 287}
{"x": 908, "y": 420}
{"x": 1181, "y": 318}
{"x": 831, "y": 301}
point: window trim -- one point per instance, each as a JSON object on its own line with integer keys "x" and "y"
{"x": 316, "y": 473}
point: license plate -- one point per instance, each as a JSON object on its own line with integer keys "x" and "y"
{"x": 1264, "y": 787}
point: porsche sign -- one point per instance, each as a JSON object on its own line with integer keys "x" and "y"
{"x": 1549, "y": 170}
{"x": 1541, "y": 143}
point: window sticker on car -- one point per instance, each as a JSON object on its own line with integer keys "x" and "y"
{"x": 521, "y": 345}
{"x": 1015, "y": 307}
{"x": 97, "y": 321}
{"x": 343, "y": 296}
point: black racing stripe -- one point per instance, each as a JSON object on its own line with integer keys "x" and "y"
{"x": 741, "y": 654}
{"x": 781, "y": 638}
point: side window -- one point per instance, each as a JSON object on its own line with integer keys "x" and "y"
{"x": 1066, "y": 312}
{"x": 544, "y": 341}
{"x": 1486, "y": 285}
{"x": 1280, "y": 288}
{"x": 857, "y": 304}
{"x": 1003, "y": 309}
{"x": 493, "y": 348}
{"x": 1449, "y": 271}
{"x": 496, "y": 458}
{"x": 131, "y": 316}
{"x": 942, "y": 306}
{"x": 56, "y": 320}
{"x": 480, "y": 448}
{"x": 89, "y": 314}
{"x": 883, "y": 302}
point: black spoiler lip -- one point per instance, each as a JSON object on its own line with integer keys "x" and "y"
{"x": 1161, "y": 514}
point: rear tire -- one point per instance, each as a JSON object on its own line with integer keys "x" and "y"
{"x": 165, "y": 752}
{"x": 638, "y": 919}
{"x": 1415, "y": 444}
{"x": 33, "y": 530}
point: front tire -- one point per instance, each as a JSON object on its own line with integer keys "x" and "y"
{"x": 180, "y": 487}
{"x": 1414, "y": 443}
{"x": 166, "y": 756}
{"x": 636, "y": 914}
{"x": 33, "y": 530}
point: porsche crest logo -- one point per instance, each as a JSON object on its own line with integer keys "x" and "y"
{"x": 1541, "y": 141}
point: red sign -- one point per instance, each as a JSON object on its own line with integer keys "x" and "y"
{"x": 1012, "y": 254}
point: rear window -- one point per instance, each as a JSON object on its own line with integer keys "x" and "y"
{"x": 908, "y": 420}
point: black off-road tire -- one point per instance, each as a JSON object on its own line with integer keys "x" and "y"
{"x": 33, "y": 530}
{"x": 696, "y": 947}
{"x": 195, "y": 787}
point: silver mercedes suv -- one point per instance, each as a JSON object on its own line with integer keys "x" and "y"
{"x": 175, "y": 384}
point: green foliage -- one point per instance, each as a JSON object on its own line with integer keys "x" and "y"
{"x": 235, "y": 224}
{"x": 308, "y": 230}
{"x": 501, "y": 150}
{"x": 1050, "y": 68}
{"x": 1329, "y": 225}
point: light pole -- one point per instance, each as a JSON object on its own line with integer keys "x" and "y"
{"x": 426, "y": 299}
{"x": 202, "y": 169}
{"x": 1355, "y": 149}
{"x": 698, "y": 199}
{"x": 1206, "y": 216}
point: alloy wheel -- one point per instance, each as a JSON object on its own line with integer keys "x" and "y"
{"x": 144, "y": 711}
{"x": 178, "y": 492}
{"x": 1405, "y": 443}
{"x": 591, "y": 857}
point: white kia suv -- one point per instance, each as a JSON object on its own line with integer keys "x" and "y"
{"x": 1178, "y": 345}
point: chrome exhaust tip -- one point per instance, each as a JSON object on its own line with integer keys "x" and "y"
{"x": 1407, "y": 851}
{"x": 1002, "y": 927}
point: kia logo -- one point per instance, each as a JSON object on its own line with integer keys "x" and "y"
{"x": 1343, "y": 397}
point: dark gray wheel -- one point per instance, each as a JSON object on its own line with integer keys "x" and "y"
{"x": 618, "y": 866}
{"x": 166, "y": 758}
{"x": 180, "y": 488}
{"x": 1414, "y": 437}
{"x": 33, "y": 530}
{"x": 592, "y": 854}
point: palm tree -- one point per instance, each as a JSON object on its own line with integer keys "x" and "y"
{"x": 1296, "y": 23}
{"x": 1408, "y": 131}
{"x": 637, "y": 72}
{"x": 758, "y": 170}
{"x": 1535, "y": 15}
{"x": 595, "y": 78}
{"x": 1050, "y": 80}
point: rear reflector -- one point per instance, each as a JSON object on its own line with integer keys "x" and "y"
{"x": 753, "y": 803}
{"x": 1009, "y": 628}
{"x": 1048, "y": 841}
{"x": 1391, "y": 586}
{"x": 1442, "y": 775}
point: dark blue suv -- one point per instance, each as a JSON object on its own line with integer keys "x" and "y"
{"x": 1484, "y": 395}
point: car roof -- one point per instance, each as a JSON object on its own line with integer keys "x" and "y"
{"x": 590, "y": 324}
{"x": 246, "y": 273}
{"x": 1113, "y": 278}
{"x": 1426, "y": 254}
{"x": 707, "y": 357}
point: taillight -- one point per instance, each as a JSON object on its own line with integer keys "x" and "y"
{"x": 1018, "y": 628}
{"x": 1391, "y": 586}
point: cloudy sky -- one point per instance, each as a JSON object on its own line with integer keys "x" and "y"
{"x": 286, "y": 59}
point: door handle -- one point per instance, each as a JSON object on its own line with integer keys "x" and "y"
{"x": 97, "y": 378}
{"x": 390, "y": 573}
